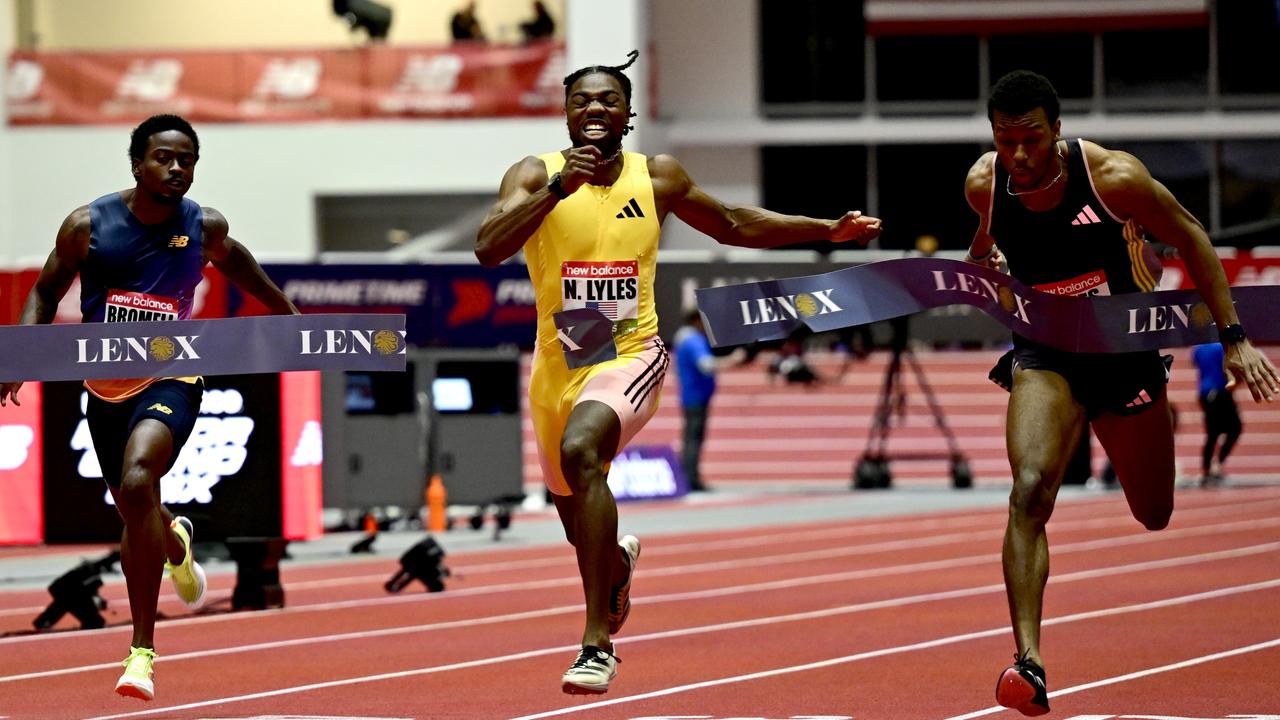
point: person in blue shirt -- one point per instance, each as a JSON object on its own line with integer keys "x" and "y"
{"x": 696, "y": 368}
{"x": 1221, "y": 418}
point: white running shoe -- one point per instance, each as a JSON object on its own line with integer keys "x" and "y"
{"x": 620, "y": 600}
{"x": 188, "y": 577}
{"x": 591, "y": 672}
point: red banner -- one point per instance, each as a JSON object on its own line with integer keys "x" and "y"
{"x": 1243, "y": 268}
{"x": 21, "y": 513}
{"x": 66, "y": 88}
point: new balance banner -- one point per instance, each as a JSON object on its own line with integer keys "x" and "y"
{"x": 771, "y": 310}
{"x": 179, "y": 348}
{"x": 80, "y": 87}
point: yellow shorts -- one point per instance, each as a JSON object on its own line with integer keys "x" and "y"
{"x": 630, "y": 384}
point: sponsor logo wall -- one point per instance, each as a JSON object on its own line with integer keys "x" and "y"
{"x": 287, "y": 85}
{"x": 222, "y": 479}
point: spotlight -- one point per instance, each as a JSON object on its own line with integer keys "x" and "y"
{"x": 76, "y": 592}
{"x": 425, "y": 562}
{"x": 374, "y": 17}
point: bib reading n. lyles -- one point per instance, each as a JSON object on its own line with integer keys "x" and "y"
{"x": 597, "y": 249}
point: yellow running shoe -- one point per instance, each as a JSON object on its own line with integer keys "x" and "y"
{"x": 136, "y": 680}
{"x": 188, "y": 576}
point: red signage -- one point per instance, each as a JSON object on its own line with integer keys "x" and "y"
{"x": 61, "y": 88}
{"x": 21, "y": 472}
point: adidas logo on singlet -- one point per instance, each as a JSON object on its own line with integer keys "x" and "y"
{"x": 1086, "y": 217}
{"x": 631, "y": 210}
{"x": 1142, "y": 399}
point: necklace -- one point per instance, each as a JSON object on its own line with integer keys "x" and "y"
{"x": 1008, "y": 187}
{"x": 612, "y": 157}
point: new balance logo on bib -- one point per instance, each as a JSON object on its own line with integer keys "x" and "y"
{"x": 126, "y": 306}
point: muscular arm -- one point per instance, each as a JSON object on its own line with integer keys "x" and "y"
{"x": 977, "y": 190}
{"x": 523, "y": 203}
{"x": 746, "y": 226}
{"x": 69, "y": 252}
{"x": 1127, "y": 188}
{"x": 237, "y": 263}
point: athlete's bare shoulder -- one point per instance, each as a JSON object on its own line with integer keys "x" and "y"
{"x": 1114, "y": 170}
{"x": 669, "y": 176}
{"x": 214, "y": 221}
{"x": 977, "y": 184}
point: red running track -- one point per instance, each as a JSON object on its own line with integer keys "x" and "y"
{"x": 892, "y": 618}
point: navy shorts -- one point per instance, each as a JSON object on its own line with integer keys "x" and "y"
{"x": 1116, "y": 383}
{"x": 173, "y": 402}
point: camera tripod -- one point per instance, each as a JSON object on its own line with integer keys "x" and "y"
{"x": 872, "y": 470}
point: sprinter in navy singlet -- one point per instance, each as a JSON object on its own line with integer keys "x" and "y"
{"x": 1070, "y": 217}
{"x": 140, "y": 253}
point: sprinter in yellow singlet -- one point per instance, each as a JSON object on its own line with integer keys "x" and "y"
{"x": 589, "y": 219}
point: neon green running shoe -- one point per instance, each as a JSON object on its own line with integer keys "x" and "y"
{"x": 188, "y": 577}
{"x": 136, "y": 680}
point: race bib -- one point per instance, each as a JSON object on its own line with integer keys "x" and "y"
{"x": 1092, "y": 283}
{"x": 611, "y": 288}
{"x": 127, "y": 306}
{"x": 586, "y": 336}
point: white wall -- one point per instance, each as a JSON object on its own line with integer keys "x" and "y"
{"x": 707, "y": 68}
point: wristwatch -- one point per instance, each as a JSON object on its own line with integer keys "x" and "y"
{"x": 556, "y": 188}
{"x": 1233, "y": 333}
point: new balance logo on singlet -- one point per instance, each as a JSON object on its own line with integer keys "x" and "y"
{"x": 1086, "y": 217}
{"x": 631, "y": 210}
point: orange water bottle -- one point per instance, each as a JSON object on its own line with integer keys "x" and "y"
{"x": 437, "y": 517}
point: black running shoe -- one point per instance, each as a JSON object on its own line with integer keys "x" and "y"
{"x": 1021, "y": 687}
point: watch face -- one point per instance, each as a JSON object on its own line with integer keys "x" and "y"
{"x": 1232, "y": 334}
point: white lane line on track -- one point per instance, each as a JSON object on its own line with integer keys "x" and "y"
{"x": 802, "y": 535}
{"x": 491, "y": 661}
{"x": 814, "y": 615}
{"x": 696, "y": 595}
{"x": 1190, "y": 662}
{"x": 1103, "y": 543}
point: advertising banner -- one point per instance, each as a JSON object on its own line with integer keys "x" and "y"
{"x": 21, "y": 469}
{"x": 181, "y": 348}
{"x": 773, "y": 309}
{"x": 647, "y": 472}
{"x": 224, "y": 478}
{"x": 82, "y": 87}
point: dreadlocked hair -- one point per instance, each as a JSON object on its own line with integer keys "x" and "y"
{"x": 615, "y": 71}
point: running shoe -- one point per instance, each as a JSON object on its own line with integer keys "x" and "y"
{"x": 620, "y": 599}
{"x": 188, "y": 577}
{"x": 591, "y": 672}
{"x": 136, "y": 680}
{"x": 1021, "y": 687}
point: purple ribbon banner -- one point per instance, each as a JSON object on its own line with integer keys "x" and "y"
{"x": 773, "y": 309}
{"x": 183, "y": 348}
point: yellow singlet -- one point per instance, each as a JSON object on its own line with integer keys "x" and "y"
{"x": 597, "y": 248}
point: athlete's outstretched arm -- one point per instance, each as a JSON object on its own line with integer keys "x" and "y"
{"x": 69, "y": 251}
{"x": 744, "y": 225}
{"x": 1128, "y": 189}
{"x": 523, "y": 203}
{"x": 238, "y": 264}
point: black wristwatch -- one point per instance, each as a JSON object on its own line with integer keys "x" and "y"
{"x": 556, "y": 188}
{"x": 1233, "y": 334}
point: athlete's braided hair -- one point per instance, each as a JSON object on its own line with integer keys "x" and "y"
{"x": 616, "y": 72}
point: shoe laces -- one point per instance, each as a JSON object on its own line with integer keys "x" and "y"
{"x": 591, "y": 655}
{"x": 1024, "y": 662}
{"x": 147, "y": 655}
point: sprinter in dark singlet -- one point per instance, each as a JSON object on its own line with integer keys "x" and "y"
{"x": 1070, "y": 217}
{"x": 140, "y": 254}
